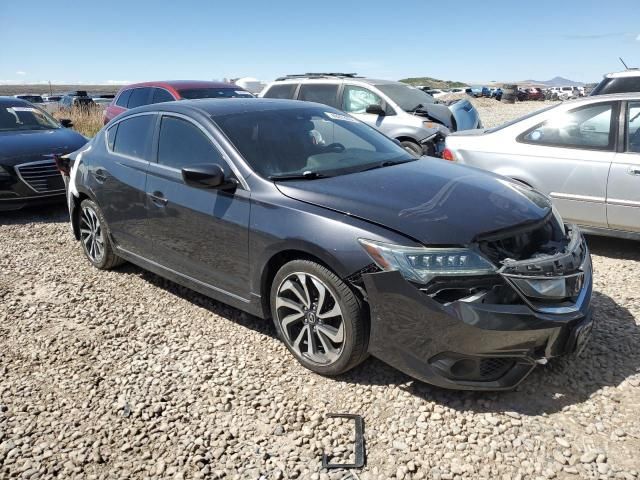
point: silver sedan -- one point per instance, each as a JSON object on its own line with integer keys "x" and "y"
{"x": 584, "y": 154}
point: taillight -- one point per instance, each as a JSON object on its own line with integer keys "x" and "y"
{"x": 448, "y": 155}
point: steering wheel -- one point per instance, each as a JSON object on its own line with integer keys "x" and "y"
{"x": 334, "y": 148}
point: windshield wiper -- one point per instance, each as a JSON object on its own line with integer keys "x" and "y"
{"x": 298, "y": 176}
{"x": 387, "y": 163}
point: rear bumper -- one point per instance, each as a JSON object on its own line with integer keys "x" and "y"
{"x": 467, "y": 345}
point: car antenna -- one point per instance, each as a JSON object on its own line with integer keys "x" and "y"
{"x": 625, "y": 65}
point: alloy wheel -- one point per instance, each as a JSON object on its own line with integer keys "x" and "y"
{"x": 310, "y": 318}
{"x": 91, "y": 235}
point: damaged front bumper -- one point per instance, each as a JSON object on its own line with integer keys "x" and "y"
{"x": 481, "y": 341}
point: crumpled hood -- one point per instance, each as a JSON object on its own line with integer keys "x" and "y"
{"x": 430, "y": 200}
{"x": 17, "y": 146}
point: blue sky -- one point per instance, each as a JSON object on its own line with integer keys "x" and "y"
{"x": 118, "y": 41}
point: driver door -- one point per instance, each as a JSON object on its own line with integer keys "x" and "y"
{"x": 201, "y": 234}
{"x": 356, "y": 99}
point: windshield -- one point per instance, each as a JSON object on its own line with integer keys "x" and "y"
{"x": 406, "y": 97}
{"x": 311, "y": 142}
{"x": 519, "y": 119}
{"x": 25, "y": 118}
{"x": 191, "y": 93}
{"x": 31, "y": 98}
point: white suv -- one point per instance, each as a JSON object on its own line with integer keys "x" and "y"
{"x": 400, "y": 111}
{"x": 619, "y": 82}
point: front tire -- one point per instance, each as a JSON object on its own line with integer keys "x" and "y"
{"x": 412, "y": 147}
{"x": 318, "y": 317}
{"x": 94, "y": 237}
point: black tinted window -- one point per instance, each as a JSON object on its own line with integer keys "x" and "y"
{"x": 326, "y": 94}
{"x": 617, "y": 85}
{"x": 123, "y": 99}
{"x": 133, "y": 137}
{"x": 139, "y": 97}
{"x": 182, "y": 143}
{"x": 284, "y": 90}
{"x": 160, "y": 95}
{"x": 193, "y": 93}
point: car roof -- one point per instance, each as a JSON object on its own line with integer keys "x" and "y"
{"x": 337, "y": 79}
{"x": 181, "y": 84}
{"x": 13, "y": 102}
{"x": 223, "y": 106}
{"x": 610, "y": 96}
{"x": 632, "y": 72}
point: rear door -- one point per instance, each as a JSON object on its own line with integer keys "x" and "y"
{"x": 571, "y": 160}
{"x": 623, "y": 193}
{"x": 199, "y": 233}
{"x": 119, "y": 181}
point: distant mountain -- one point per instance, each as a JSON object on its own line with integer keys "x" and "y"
{"x": 432, "y": 82}
{"x": 556, "y": 82}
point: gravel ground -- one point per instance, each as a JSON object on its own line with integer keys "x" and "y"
{"x": 122, "y": 374}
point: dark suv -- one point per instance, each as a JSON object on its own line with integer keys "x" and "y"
{"x": 299, "y": 212}
{"x": 76, "y": 98}
{"x": 139, "y": 94}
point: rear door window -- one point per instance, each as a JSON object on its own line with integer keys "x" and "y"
{"x": 160, "y": 95}
{"x": 139, "y": 97}
{"x": 586, "y": 127}
{"x": 326, "y": 94}
{"x": 123, "y": 98}
{"x": 181, "y": 143}
{"x": 134, "y": 136}
{"x": 283, "y": 90}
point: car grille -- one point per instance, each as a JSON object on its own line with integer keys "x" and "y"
{"x": 42, "y": 176}
{"x": 494, "y": 368}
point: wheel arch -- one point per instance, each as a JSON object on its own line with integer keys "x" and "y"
{"x": 75, "y": 211}
{"x": 280, "y": 258}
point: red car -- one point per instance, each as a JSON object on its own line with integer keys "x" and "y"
{"x": 139, "y": 94}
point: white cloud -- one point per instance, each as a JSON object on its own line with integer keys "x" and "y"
{"x": 118, "y": 82}
{"x": 21, "y": 73}
{"x": 638, "y": 37}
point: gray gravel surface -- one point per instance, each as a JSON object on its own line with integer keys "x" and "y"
{"x": 122, "y": 374}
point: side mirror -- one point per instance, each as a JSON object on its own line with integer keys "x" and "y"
{"x": 209, "y": 175}
{"x": 375, "y": 109}
{"x": 66, "y": 123}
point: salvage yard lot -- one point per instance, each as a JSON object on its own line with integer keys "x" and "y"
{"x": 123, "y": 374}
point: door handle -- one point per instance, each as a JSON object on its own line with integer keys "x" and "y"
{"x": 158, "y": 198}
{"x": 633, "y": 170}
{"x": 100, "y": 175}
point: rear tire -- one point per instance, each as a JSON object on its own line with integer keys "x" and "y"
{"x": 318, "y": 317}
{"x": 94, "y": 237}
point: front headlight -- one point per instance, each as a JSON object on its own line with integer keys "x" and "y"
{"x": 421, "y": 264}
{"x": 3, "y": 172}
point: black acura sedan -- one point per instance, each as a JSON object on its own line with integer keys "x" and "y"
{"x": 29, "y": 138}
{"x": 299, "y": 212}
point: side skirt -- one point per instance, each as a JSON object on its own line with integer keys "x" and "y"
{"x": 251, "y": 306}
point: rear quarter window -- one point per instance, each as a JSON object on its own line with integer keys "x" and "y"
{"x": 326, "y": 94}
{"x": 139, "y": 97}
{"x": 123, "y": 98}
{"x": 133, "y": 136}
{"x": 283, "y": 90}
